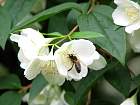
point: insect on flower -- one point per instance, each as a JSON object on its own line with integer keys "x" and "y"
{"x": 75, "y": 62}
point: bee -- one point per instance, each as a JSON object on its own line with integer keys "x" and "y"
{"x": 75, "y": 62}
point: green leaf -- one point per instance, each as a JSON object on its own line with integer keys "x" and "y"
{"x": 37, "y": 85}
{"x": 5, "y": 22}
{"x": 61, "y": 25}
{"x": 54, "y": 34}
{"x": 136, "y": 81}
{"x": 10, "y": 82}
{"x": 114, "y": 41}
{"x": 10, "y": 98}
{"x": 85, "y": 85}
{"x": 48, "y": 13}
{"x": 86, "y": 34}
{"x": 119, "y": 78}
{"x": 18, "y": 9}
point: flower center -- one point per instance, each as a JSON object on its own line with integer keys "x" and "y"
{"x": 132, "y": 13}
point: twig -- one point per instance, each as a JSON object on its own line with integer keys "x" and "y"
{"x": 25, "y": 88}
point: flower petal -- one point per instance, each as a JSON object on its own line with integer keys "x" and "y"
{"x": 83, "y": 49}
{"x": 77, "y": 76}
{"x": 120, "y": 17}
{"x": 15, "y": 37}
{"x": 131, "y": 28}
{"x": 33, "y": 69}
{"x": 134, "y": 40}
{"x": 51, "y": 74}
{"x": 98, "y": 64}
{"x": 119, "y": 2}
{"x": 22, "y": 58}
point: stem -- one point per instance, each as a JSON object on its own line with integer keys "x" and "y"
{"x": 25, "y": 88}
{"x": 74, "y": 29}
{"x": 88, "y": 98}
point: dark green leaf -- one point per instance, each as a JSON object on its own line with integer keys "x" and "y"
{"x": 48, "y": 13}
{"x": 114, "y": 41}
{"x": 58, "y": 24}
{"x": 136, "y": 80}
{"x": 86, "y": 34}
{"x": 18, "y": 9}
{"x": 54, "y": 34}
{"x": 10, "y": 82}
{"x": 5, "y": 22}
{"x": 37, "y": 85}
{"x": 10, "y": 98}
{"x": 119, "y": 78}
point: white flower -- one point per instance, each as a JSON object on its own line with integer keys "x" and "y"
{"x": 32, "y": 46}
{"x": 50, "y": 71}
{"x": 50, "y": 95}
{"x": 130, "y": 101}
{"x": 72, "y": 58}
{"x": 60, "y": 101}
{"x": 127, "y": 14}
{"x": 134, "y": 41}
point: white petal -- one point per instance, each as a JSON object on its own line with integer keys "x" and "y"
{"x": 98, "y": 64}
{"x": 83, "y": 49}
{"x": 22, "y": 58}
{"x": 62, "y": 69}
{"x": 135, "y": 40}
{"x": 77, "y": 76}
{"x": 51, "y": 74}
{"x": 120, "y": 17}
{"x": 15, "y": 37}
{"x": 128, "y": 102}
{"x": 131, "y": 28}
{"x": 25, "y": 98}
{"x": 33, "y": 69}
{"x": 29, "y": 49}
{"x": 121, "y": 2}
{"x": 32, "y": 34}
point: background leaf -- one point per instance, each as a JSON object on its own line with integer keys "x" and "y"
{"x": 114, "y": 40}
{"x": 85, "y": 85}
{"x": 48, "y": 13}
{"x": 57, "y": 23}
{"x": 10, "y": 82}
{"x": 86, "y": 34}
{"x": 5, "y": 22}
{"x": 10, "y": 98}
{"x": 37, "y": 85}
{"x": 119, "y": 77}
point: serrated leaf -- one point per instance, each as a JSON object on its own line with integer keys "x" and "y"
{"x": 5, "y": 22}
{"x": 10, "y": 98}
{"x": 37, "y": 85}
{"x": 10, "y": 82}
{"x": 114, "y": 41}
{"x": 48, "y": 13}
{"x": 120, "y": 79}
{"x": 86, "y": 34}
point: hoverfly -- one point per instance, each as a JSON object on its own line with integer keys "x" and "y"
{"x": 75, "y": 62}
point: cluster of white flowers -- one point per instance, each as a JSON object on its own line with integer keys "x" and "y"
{"x": 127, "y": 14}
{"x": 70, "y": 61}
{"x": 50, "y": 95}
